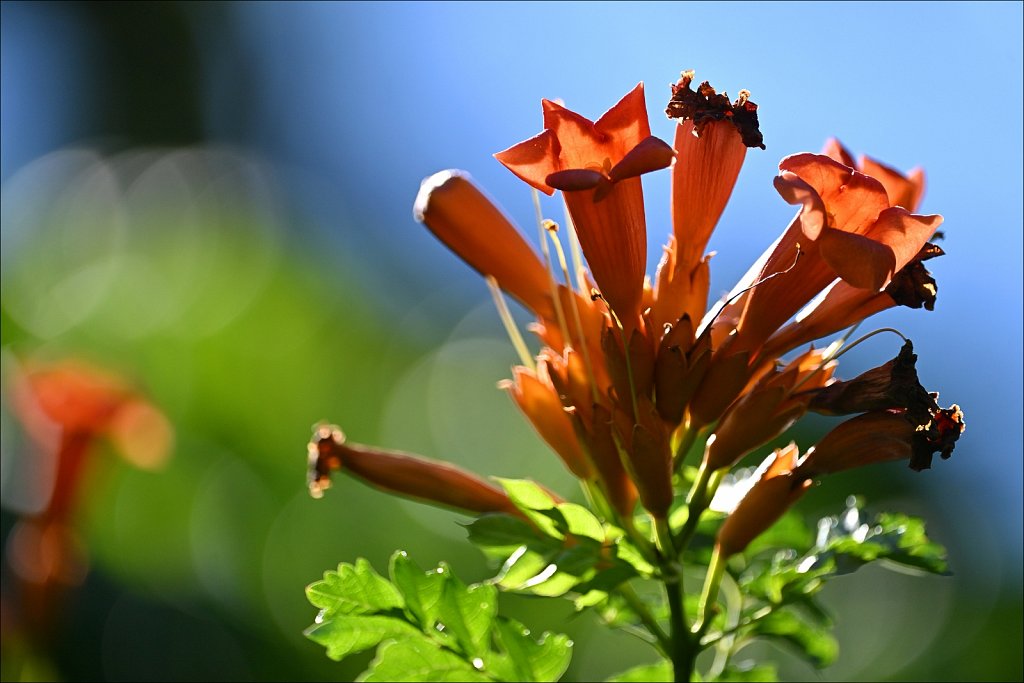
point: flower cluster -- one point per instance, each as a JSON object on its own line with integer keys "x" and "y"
{"x": 634, "y": 372}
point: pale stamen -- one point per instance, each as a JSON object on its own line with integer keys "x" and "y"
{"x": 510, "y": 325}
{"x": 551, "y": 229}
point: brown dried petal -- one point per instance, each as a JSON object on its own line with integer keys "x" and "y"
{"x": 892, "y": 385}
{"x": 939, "y": 435}
{"x": 705, "y": 106}
{"x": 913, "y": 286}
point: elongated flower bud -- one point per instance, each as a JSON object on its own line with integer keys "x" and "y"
{"x": 884, "y": 435}
{"x": 470, "y": 224}
{"x": 402, "y": 473}
{"x": 767, "y": 410}
{"x": 538, "y": 399}
{"x": 777, "y": 489}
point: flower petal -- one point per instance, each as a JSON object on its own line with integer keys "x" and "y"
{"x": 626, "y": 122}
{"x": 533, "y": 160}
{"x": 539, "y": 401}
{"x": 835, "y": 150}
{"x": 903, "y": 190}
{"x": 861, "y": 261}
{"x": 651, "y": 154}
{"x": 852, "y": 200}
{"x": 578, "y": 143}
{"x": 903, "y": 232}
{"x": 574, "y": 180}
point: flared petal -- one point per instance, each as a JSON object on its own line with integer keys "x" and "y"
{"x": 537, "y": 398}
{"x": 651, "y": 154}
{"x": 626, "y": 123}
{"x": 836, "y": 151}
{"x": 841, "y": 304}
{"x": 852, "y": 199}
{"x": 533, "y": 160}
{"x": 904, "y": 233}
{"x": 903, "y": 190}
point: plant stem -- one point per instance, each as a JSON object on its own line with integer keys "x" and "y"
{"x": 683, "y": 652}
{"x": 683, "y": 448}
{"x": 648, "y": 620}
{"x": 697, "y": 501}
{"x": 709, "y": 594}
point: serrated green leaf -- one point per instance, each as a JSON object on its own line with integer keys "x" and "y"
{"x": 810, "y": 606}
{"x": 468, "y": 613}
{"x": 422, "y": 590}
{"x": 628, "y": 553}
{"x": 754, "y": 673}
{"x": 581, "y": 522}
{"x": 552, "y": 574}
{"x": 419, "y": 659}
{"x": 348, "y": 634}
{"x": 503, "y": 533}
{"x": 353, "y": 590}
{"x": 912, "y": 548}
{"x": 536, "y": 504}
{"x": 527, "y": 495}
{"x": 606, "y": 580}
{"x": 534, "y": 660}
{"x": 816, "y": 645}
{"x": 521, "y": 566}
{"x": 658, "y": 673}
{"x": 589, "y": 599}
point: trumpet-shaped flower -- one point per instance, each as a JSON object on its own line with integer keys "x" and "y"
{"x": 597, "y": 165}
{"x": 629, "y": 375}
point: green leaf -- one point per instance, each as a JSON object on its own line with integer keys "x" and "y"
{"x": 749, "y": 671}
{"x": 534, "y": 660}
{"x": 817, "y": 646}
{"x": 581, "y": 522}
{"x": 631, "y": 555}
{"x": 430, "y": 626}
{"x": 850, "y": 543}
{"x": 527, "y": 495}
{"x": 551, "y": 573}
{"x": 353, "y": 590}
{"x": 422, "y": 590}
{"x": 349, "y": 634}
{"x": 503, "y": 534}
{"x": 536, "y": 504}
{"x": 419, "y": 659}
{"x": 468, "y": 613}
{"x": 659, "y": 673}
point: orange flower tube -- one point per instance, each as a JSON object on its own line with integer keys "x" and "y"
{"x": 769, "y": 498}
{"x": 597, "y": 165}
{"x": 402, "y": 473}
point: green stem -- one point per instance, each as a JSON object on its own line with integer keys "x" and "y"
{"x": 683, "y": 448}
{"x": 662, "y": 639}
{"x": 684, "y": 648}
{"x": 663, "y": 538}
{"x": 734, "y": 609}
{"x": 709, "y": 594}
{"x": 696, "y": 502}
